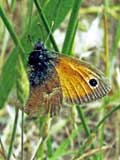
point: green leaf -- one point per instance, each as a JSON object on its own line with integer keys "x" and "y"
{"x": 7, "y": 78}
{"x": 56, "y": 11}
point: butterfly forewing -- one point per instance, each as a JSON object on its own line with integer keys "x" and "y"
{"x": 80, "y": 82}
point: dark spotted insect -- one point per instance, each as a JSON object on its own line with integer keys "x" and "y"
{"x": 55, "y": 77}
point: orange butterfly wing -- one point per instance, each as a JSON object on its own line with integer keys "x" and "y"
{"x": 75, "y": 76}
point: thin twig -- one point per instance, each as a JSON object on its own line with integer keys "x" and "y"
{"x": 3, "y": 149}
{"x": 40, "y": 142}
{"x": 22, "y": 135}
{"x": 106, "y": 41}
{"x": 13, "y": 135}
{"x": 92, "y": 152}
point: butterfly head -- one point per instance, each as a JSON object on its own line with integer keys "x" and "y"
{"x": 39, "y": 45}
{"x": 40, "y": 63}
{"x": 39, "y": 57}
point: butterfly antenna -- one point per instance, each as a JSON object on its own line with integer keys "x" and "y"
{"x": 30, "y": 40}
{"x": 51, "y": 29}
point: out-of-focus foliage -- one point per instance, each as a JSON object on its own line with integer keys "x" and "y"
{"x": 64, "y": 136}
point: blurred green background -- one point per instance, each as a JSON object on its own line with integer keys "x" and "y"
{"x": 86, "y": 29}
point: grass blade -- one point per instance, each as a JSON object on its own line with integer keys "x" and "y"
{"x": 115, "y": 48}
{"x": 11, "y": 31}
{"x": 13, "y": 135}
{"x": 70, "y": 34}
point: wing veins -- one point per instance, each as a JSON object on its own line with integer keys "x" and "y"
{"x": 81, "y": 75}
{"x": 68, "y": 93}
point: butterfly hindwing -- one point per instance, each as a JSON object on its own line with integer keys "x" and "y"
{"x": 45, "y": 98}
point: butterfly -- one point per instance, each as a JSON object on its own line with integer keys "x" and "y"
{"x": 56, "y": 78}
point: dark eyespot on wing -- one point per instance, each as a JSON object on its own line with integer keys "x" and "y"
{"x": 93, "y": 82}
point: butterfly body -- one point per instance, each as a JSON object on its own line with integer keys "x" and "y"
{"x": 56, "y": 77}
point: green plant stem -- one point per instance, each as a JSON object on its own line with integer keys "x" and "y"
{"x": 102, "y": 110}
{"x": 70, "y": 34}
{"x": 12, "y": 32}
{"x": 3, "y": 49}
{"x": 3, "y": 149}
{"x": 72, "y": 39}
{"x": 13, "y": 135}
{"x": 101, "y": 133}
{"x": 115, "y": 48}
{"x": 22, "y": 135}
{"x": 106, "y": 49}
{"x": 44, "y": 19}
{"x": 39, "y": 146}
{"x": 81, "y": 115}
{"x": 117, "y": 134}
{"x": 44, "y": 134}
{"x": 85, "y": 126}
{"x": 106, "y": 43}
{"x": 13, "y": 3}
{"x": 105, "y": 117}
{"x": 28, "y": 18}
